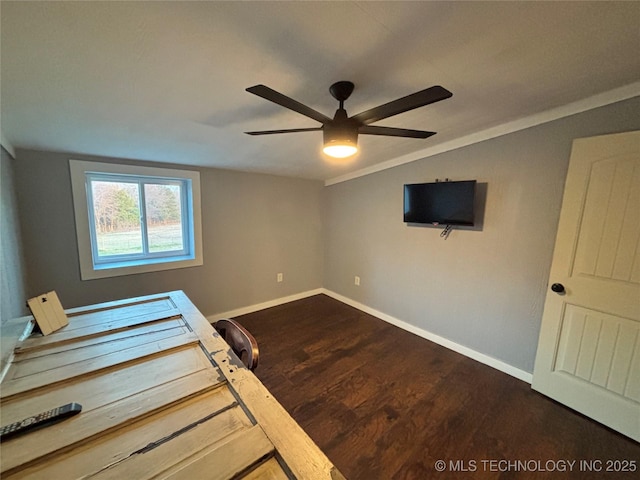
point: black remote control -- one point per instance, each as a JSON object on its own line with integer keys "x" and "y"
{"x": 40, "y": 420}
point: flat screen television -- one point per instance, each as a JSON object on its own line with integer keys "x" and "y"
{"x": 440, "y": 203}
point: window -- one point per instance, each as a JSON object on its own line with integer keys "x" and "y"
{"x": 132, "y": 219}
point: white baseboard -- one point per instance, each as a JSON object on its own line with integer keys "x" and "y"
{"x": 456, "y": 347}
{"x": 261, "y": 306}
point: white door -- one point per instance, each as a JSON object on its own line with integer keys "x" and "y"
{"x": 589, "y": 348}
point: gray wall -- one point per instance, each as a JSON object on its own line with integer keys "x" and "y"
{"x": 254, "y": 226}
{"x": 12, "y": 276}
{"x": 481, "y": 288}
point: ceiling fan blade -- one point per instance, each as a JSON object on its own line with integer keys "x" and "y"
{"x": 394, "y": 132}
{"x": 286, "y": 102}
{"x": 291, "y": 130}
{"x": 404, "y": 104}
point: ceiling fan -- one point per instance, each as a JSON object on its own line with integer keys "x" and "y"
{"x": 341, "y": 132}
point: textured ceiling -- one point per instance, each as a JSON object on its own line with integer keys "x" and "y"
{"x": 165, "y": 81}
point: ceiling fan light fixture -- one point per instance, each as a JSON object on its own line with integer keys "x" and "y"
{"x": 340, "y": 141}
{"x": 340, "y": 148}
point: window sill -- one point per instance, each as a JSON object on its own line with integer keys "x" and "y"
{"x": 117, "y": 269}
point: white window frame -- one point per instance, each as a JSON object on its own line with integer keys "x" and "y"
{"x": 90, "y": 266}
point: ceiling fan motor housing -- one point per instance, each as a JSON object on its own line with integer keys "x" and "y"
{"x": 340, "y": 132}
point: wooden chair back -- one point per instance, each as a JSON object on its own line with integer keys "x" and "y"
{"x": 240, "y": 341}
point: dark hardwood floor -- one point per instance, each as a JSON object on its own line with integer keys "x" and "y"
{"x": 383, "y": 403}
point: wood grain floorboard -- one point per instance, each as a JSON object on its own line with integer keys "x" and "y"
{"x": 383, "y": 403}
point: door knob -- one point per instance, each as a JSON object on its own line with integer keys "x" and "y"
{"x": 557, "y": 287}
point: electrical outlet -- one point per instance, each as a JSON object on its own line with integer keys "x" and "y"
{"x": 357, "y": 281}
{"x": 279, "y": 278}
